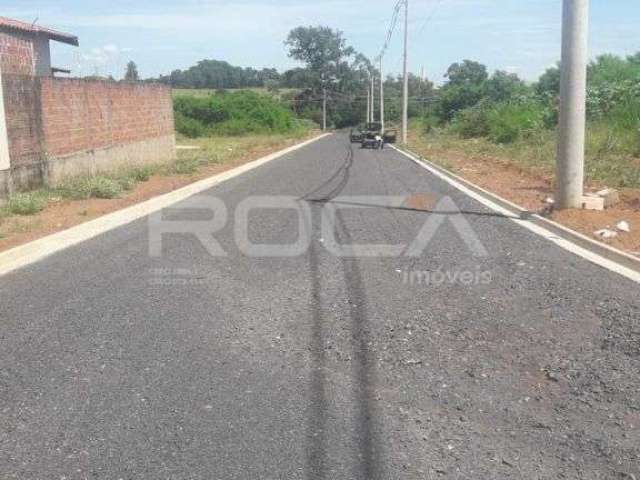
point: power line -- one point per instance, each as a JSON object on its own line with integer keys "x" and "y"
{"x": 430, "y": 16}
{"x": 422, "y": 27}
{"x": 392, "y": 28}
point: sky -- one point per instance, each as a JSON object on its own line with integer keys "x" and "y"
{"x": 520, "y": 36}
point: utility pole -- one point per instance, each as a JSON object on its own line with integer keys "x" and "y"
{"x": 573, "y": 92}
{"x": 381, "y": 96}
{"x": 324, "y": 109}
{"x": 368, "y": 104}
{"x": 405, "y": 89}
{"x": 373, "y": 96}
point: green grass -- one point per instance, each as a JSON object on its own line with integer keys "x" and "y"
{"x": 217, "y": 150}
{"x": 26, "y": 203}
{"x": 187, "y": 166}
{"x": 80, "y": 188}
{"x": 100, "y": 186}
{"x": 105, "y": 186}
{"x": 144, "y": 173}
{"x": 609, "y": 160}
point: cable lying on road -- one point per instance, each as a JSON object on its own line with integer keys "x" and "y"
{"x": 343, "y": 170}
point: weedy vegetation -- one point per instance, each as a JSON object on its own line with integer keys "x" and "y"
{"x": 502, "y": 116}
{"x": 233, "y": 114}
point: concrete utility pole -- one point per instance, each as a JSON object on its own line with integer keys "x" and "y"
{"x": 324, "y": 109}
{"x": 405, "y": 89}
{"x": 368, "y": 104}
{"x": 373, "y": 96}
{"x": 573, "y": 94}
{"x": 381, "y": 96}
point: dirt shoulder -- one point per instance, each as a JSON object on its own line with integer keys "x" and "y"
{"x": 531, "y": 190}
{"x": 218, "y": 155}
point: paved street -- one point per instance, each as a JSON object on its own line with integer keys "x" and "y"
{"x": 521, "y": 363}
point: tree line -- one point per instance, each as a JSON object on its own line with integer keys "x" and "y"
{"x": 473, "y": 102}
{"x": 217, "y": 74}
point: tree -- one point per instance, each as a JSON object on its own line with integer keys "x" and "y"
{"x": 467, "y": 73}
{"x": 503, "y": 86}
{"x": 611, "y": 69}
{"x": 421, "y": 95}
{"x": 548, "y": 84}
{"x": 454, "y": 98}
{"x": 466, "y": 86}
{"x": 320, "y": 48}
{"x": 296, "y": 78}
{"x": 216, "y": 74}
{"x": 634, "y": 59}
{"x": 131, "y": 75}
{"x": 332, "y": 67}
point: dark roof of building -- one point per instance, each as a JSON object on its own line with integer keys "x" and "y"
{"x": 9, "y": 23}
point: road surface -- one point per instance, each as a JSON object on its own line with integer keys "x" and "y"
{"x": 119, "y": 365}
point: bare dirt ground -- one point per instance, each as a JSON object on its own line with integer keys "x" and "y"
{"x": 61, "y": 215}
{"x": 530, "y": 191}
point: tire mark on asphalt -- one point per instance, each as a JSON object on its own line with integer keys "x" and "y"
{"x": 370, "y": 466}
{"x": 316, "y": 449}
{"x": 343, "y": 172}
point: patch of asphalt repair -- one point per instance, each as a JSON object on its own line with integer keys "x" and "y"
{"x": 119, "y": 365}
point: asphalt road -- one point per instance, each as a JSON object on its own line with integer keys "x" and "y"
{"x": 118, "y": 365}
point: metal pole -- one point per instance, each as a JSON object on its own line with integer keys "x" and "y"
{"x": 405, "y": 89}
{"x": 381, "y": 96}
{"x": 573, "y": 92}
{"x": 324, "y": 109}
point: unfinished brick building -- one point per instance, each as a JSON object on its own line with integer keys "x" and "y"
{"x": 52, "y": 128}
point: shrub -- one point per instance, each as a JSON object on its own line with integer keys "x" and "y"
{"x": 26, "y": 203}
{"x": 429, "y": 123}
{"x": 472, "y": 122}
{"x": 91, "y": 187}
{"x": 454, "y": 98}
{"x": 236, "y": 113}
{"x": 618, "y": 132}
{"x": 105, "y": 187}
{"x": 189, "y": 127}
{"x": 126, "y": 182}
{"x": 143, "y": 174}
{"x": 206, "y": 110}
{"x": 186, "y": 166}
{"x": 510, "y": 121}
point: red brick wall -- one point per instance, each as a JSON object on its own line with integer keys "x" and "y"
{"x": 82, "y": 115}
{"x": 16, "y": 54}
{"x": 23, "y": 117}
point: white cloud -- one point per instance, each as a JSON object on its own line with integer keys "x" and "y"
{"x": 105, "y": 60}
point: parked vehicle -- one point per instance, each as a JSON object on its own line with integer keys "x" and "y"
{"x": 372, "y": 136}
{"x": 356, "y": 135}
{"x": 390, "y": 135}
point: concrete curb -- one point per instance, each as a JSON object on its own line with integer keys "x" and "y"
{"x": 598, "y": 253}
{"x": 37, "y": 250}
